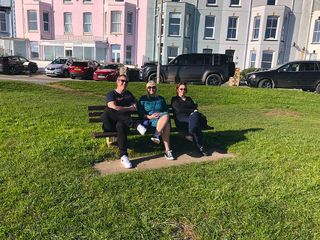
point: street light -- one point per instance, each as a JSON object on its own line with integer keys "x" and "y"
{"x": 159, "y": 40}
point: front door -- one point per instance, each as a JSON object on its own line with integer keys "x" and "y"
{"x": 68, "y": 52}
{"x": 115, "y": 53}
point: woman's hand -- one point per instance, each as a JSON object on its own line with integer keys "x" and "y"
{"x": 154, "y": 116}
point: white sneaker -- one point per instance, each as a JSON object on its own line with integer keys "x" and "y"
{"x": 168, "y": 155}
{"x": 141, "y": 129}
{"x": 155, "y": 139}
{"x": 125, "y": 161}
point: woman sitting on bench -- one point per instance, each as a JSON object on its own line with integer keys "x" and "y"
{"x": 153, "y": 109}
{"x": 187, "y": 117}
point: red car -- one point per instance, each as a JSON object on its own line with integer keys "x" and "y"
{"x": 108, "y": 72}
{"x": 83, "y": 69}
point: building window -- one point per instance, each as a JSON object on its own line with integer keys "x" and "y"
{"x": 67, "y": 1}
{"x": 271, "y": 29}
{"x": 34, "y": 47}
{"x": 118, "y": 0}
{"x": 232, "y": 28}
{"x": 128, "y": 54}
{"x": 46, "y": 21}
{"x": 234, "y": 2}
{"x": 271, "y": 2}
{"x": 211, "y": 2}
{"x": 87, "y": 1}
{"x": 266, "y": 62}
{"x": 115, "y": 22}
{"x": 32, "y": 20}
{"x": 316, "y": 32}
{"x": 174, "y": 24}
{"x": 187, "y": 25}
{"x": 207, "y": 50}
{"x": 129, "y": 22}
{"x": 115, "y": 53}
{"x": 256, "y": 27}
{"x": 3, "y": 22}
{"x": 87, "y": 22}
{"x": 172, "y": 53}
{"x": 67, "y": 22}
{"x": 209, "y": 27}
{"x": 253, "y": 57}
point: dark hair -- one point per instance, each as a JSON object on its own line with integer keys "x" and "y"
{"x": 179, "y": 84}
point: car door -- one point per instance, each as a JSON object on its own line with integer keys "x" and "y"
{"x": 288, "y": 76}
{"x": 309, "y": 75}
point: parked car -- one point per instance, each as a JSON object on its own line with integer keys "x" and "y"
{"x": 107, "y": 72}
{"x": 59, "y": 67}
{"x": 83, "y": 69}
{"x": 203, "y": 68}
{"x": 17, "y": 64}
{"x": 298, "y": 74}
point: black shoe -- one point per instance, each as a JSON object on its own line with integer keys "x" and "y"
{"x": 203, "y": 151}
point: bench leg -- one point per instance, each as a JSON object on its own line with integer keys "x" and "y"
{"x": 111, "y": 140}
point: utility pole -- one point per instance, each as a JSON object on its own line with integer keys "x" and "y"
{"x": 159, "y": 40}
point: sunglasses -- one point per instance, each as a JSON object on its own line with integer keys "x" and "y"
{"x": 152, "y": 88}
{"x": 123, "y": 81}
{"x": 182, "y": 89}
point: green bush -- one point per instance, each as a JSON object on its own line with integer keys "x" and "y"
{"x": 245, "y": 71}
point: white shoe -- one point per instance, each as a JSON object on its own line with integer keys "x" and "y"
{"x": 141, "y": 129}
{"x": 168, "y": 155}
{"x": 125, "y": 161}
{"x": 155, "y": 139}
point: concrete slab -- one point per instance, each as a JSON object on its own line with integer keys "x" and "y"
{"x": 157, "y": 161}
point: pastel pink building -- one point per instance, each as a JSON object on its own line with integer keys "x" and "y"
{"x": 105, "y": 30}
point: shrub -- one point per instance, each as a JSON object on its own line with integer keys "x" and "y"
{"x": 245, "y": 71}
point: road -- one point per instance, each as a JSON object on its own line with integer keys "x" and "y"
{"x": 35, "y": 78}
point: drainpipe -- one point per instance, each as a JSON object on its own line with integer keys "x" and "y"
{"x": 248, "y": 33}
{"x": 194, "y": 27}
{"x": 308, "y": 35}
{"x": 137, "y": 30}
{"x": 159, "y": 40}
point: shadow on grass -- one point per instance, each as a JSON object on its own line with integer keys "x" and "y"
{"x": 215, "y": 142}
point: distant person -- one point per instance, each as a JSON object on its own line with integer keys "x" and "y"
{"x": 153, "y": 108}
{"x": 187, "y": 117}
{"x": 120, "y": 104}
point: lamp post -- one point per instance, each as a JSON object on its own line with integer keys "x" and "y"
{"x": 159, "y": 40}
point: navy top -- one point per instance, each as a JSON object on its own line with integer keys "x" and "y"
{"x": 125, "y": 99}
{"x": 183, "y": 108}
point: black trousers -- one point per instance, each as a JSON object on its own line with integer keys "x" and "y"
{"x": 194, "y": 126}
{"x": 121, "y": 122}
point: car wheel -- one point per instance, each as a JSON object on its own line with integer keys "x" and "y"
{"x": 317, "y": 90}
{"x": 153, "y": 77}
{"x": 34, "y": 69}
{"x": 12, "y": 70}
{"x": 265, "y": 83}
{"x": 213, "y": 80}
{"x": 66, "y": 73}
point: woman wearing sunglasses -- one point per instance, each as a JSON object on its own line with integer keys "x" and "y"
{"x": 187, "y": 116}
{"x": 153, "y": 108}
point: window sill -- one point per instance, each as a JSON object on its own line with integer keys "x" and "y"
{"x": 212, "y": 5}
{"x": 87, "y": 34}
{"x": 116, "y": 33}
{"x": 232, "y": 39}
{"x": 315, "y": 43}
{"x": 271, "y": 39}
{"x": 68, "y": 3}
{"x": 33, "y": 31}
{"x": 68, "y": 33}
{"x": 174, "y": 35}
{"x": 235, "y": 6}
{"x": 88, "y": 3}
{"x": 209, "y": 38}
{"x": 254, "y": 40}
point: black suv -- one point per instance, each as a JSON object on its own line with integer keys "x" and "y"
{"x": 203, "y": 68}
{"x": 17, "y": 64}
{"x": 298, "y": 74}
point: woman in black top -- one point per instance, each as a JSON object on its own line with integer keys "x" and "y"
{"x": 186, "y": 113}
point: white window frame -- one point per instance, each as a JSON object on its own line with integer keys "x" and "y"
{"x": 212, "y": 28}
{"x": 232, "y": 28}
{"x": 187, "y": 25}
{"x": 264, "y": 62}
{"x": 129, "y": 22}
{"x": 316, "y": 31}
{"x": 272, "y": 28}
{"x": 88, "y": 24}
{"x": 211, "y": 2}
{"x": 268, "y": 2}
{"x": 115, "y": 23}
{"x": 67, "y": 23}
{"x": 46, "y": 23}
{"x": 32, "y": 20}
{"x": 256, "y": 27}
{"x": 253, "y": 61}
{"x": 5, "y": 22}
{"x": 174, "y": 16}
{"x": 235, "y": 4}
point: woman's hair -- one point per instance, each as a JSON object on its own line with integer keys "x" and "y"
{"x": 150, "y": 84}
{"x": 180, "y": 84}
{"x": 122, "y": 75}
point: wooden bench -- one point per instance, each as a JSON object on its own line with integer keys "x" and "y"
{"x": 95, "y": 112}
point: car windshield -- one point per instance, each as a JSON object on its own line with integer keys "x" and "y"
{"x": 59, "y": 61}
{"x": 80, "y": 64}
{"x": 110, "y": 66}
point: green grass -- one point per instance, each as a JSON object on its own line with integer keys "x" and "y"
{"x": 49, "y": 189}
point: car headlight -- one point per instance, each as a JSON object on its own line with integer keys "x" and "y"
{"x": 253, "y": 76}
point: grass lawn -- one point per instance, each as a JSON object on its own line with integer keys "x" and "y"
{"x": 49, "y": 190}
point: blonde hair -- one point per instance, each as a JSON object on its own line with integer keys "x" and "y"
{"x": 151, "y": 83}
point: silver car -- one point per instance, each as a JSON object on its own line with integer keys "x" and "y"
{"x": 59, "y": 67}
